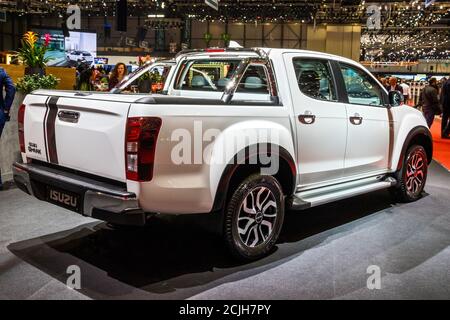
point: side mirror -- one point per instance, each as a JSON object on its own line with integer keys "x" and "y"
{"x": 395, "y": 98}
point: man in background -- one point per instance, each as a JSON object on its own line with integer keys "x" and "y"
{"x": 7, "y": 85}
{"x": 5, "y": 102}
{"x": 430, "y": 101}
{"x": 445, "y": 103}
{"x": 406, "y": 90}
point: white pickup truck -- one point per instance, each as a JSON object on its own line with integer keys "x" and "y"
{"x": 243, "y": 133}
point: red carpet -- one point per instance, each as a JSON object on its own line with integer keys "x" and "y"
{"x": 441, "y": 147}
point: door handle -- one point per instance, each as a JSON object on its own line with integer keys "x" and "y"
{"x": 69, "y": 116}
{"x": 307, "y": 118}
{"x": 356, "y": 119}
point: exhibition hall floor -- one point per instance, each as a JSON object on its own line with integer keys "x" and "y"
{"x": 323, "y": 253}
{"x": 441, "y": 147}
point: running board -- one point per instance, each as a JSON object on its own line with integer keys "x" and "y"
{"x": 311, "y": 198}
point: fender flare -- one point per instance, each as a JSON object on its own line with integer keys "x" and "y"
{"x": 419, "y": 130}
{"x": 230, "y": 169}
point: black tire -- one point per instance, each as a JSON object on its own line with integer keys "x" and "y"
{"x": 247, "y": 239}
{"x": 412, "y": 176}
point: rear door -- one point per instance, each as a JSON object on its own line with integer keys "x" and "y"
{"x": 321, "y": 120}
{"x": 78, "y": 133}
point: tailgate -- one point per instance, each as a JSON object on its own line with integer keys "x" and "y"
{"x": 78, "y": 133}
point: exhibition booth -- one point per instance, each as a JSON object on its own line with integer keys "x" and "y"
{"x": 225, "y": 150}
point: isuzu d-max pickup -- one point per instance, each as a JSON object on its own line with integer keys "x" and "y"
{"x": 242, "y": 133}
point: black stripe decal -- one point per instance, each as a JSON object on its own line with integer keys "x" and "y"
{"x": 391, "y": 136}
{"x": 44, "y": 124}
{"x": 50, "y": 125}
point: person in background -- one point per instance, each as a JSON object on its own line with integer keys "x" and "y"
{"x": 5, "y": 103}
{"x": 117, "y": 75}
{"x": 95, "y": 77}
{"x": 84, "y": 76}
{"x": 384, "y": 82}
{"x": 430, "y": 101}
{"x": 393, "y": 86}
{"x": 406, "y": 90}
{"x": 99, "y": 80}
{"x": 445, "y": 103}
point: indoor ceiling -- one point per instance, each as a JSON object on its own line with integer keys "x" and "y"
{"x": 321, "y": 11}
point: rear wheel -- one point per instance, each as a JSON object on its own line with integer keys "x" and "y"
{"x": 413, "y": 175}
{"x": 254, "y": 217}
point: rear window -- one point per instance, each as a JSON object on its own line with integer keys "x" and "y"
{"x": 254, "y": 80}
{"x": 205, "y": 75}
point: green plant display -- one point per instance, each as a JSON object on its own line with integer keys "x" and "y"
{"x": 32, "y": 54}
{"x": 145, "y": 76}
{"x": 29, "y": 83}
{"x": 226, "y": 38}
{"x": 156, "y": 77}
{"x": 207, "y": 37}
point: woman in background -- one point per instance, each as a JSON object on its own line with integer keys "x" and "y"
{"x": 117, "y": 75}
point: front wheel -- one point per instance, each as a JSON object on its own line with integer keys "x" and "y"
{"x": 254, "y": 217}
{"x": 413, "y": 175}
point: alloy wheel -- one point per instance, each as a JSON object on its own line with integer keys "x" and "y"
{"x": 257, "y": 217}
{"x": 415, "y": 173}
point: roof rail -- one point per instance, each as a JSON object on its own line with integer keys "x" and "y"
{"x": 255, "y": 50}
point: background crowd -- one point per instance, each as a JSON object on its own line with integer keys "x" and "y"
{"x": 99, "y": 79}
{"x": 434, "y": 99}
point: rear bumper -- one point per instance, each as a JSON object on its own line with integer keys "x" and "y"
{"x": 98, "y": 199}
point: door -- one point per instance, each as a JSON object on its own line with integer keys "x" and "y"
{"x": 368, "y": 124}
{"x": 321, "y": 121}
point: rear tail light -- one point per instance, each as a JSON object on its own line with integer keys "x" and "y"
{"x": 21, "y": 121}
{"x": 140, "y": 145}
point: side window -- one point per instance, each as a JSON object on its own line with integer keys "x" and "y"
{"x": 254, "y": 81}
{"x": 314, "y": 78}
{"x": 361, "y": 88}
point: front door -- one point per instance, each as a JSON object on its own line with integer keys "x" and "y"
{"x": 368, "y": 124}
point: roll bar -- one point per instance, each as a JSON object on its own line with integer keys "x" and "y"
{"x": 264, "y": 61}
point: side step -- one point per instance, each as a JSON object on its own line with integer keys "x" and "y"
{"x": 315, "y": 197}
